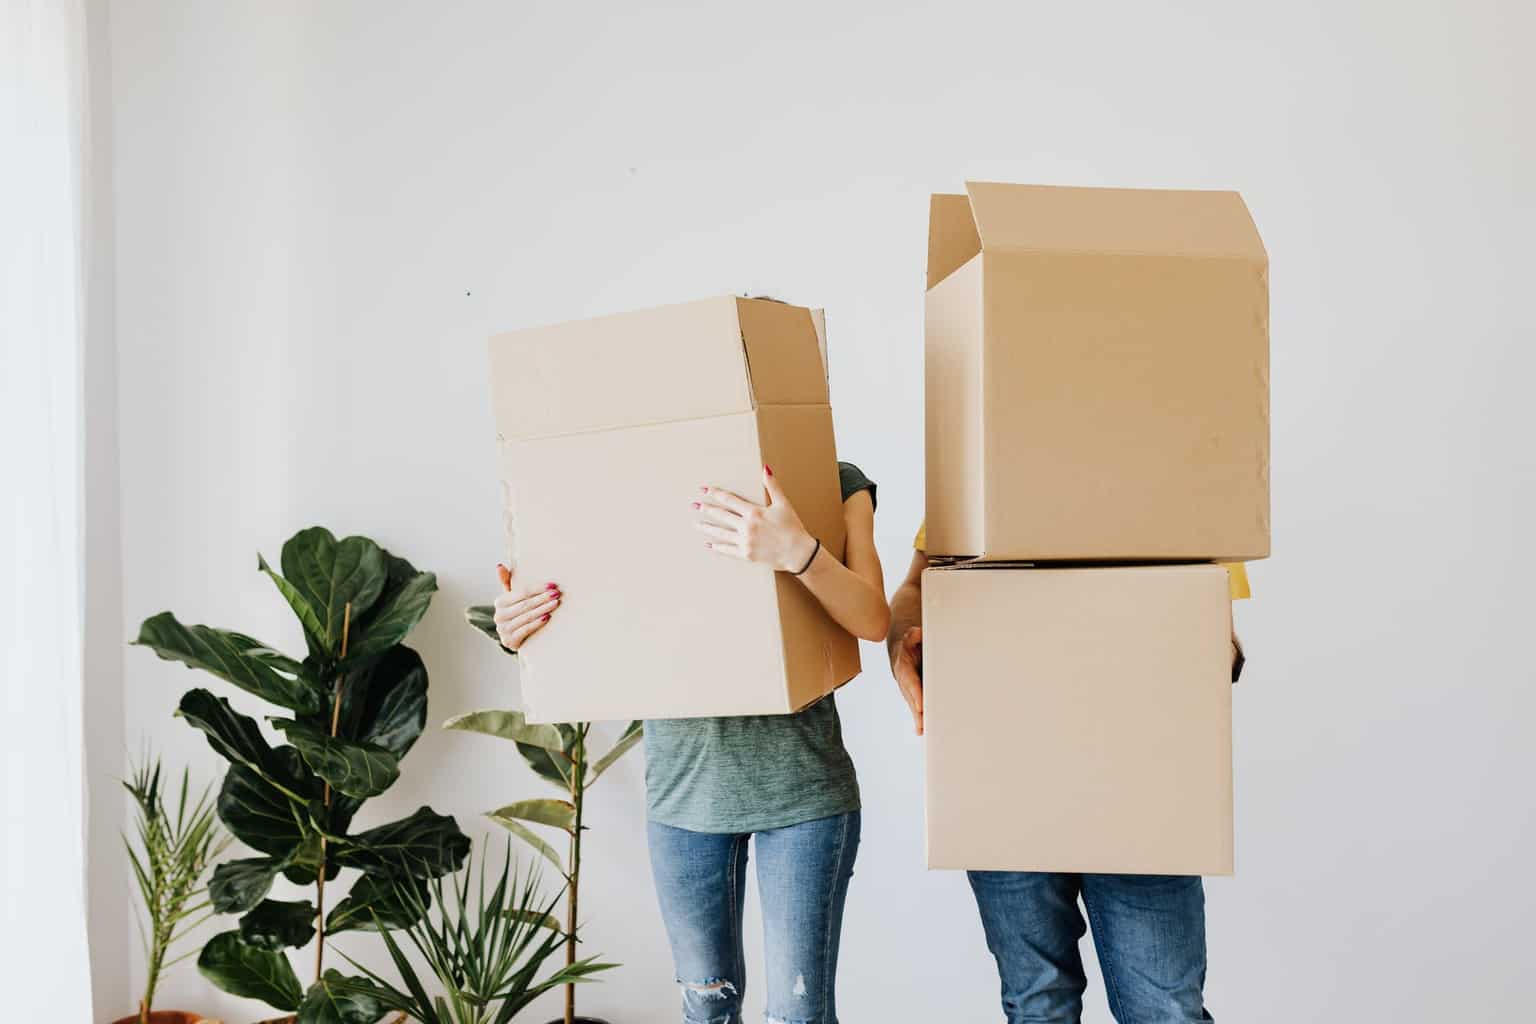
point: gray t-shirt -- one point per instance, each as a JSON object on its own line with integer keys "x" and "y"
{"x": 751, "y": 774}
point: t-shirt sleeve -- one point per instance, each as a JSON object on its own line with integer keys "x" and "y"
{"x": 1237, "y": 579}
{"x": 853, "y": 481}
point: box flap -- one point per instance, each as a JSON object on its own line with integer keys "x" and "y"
{"x": 1112, "y": 220}
{"x": 784, "y": 361}
{"x": 652, "y": 366}
{"x": 952, "y": 238}
{"x": 819, "y": 321}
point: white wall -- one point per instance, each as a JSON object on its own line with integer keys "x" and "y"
{"x": 108, "y": 898}
{"x": 322, "y": 210}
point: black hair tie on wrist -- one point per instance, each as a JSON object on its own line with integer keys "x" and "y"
{"x": 814, "y": 552}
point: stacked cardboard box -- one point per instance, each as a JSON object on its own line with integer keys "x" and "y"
{"x": 1097, "y": 438}
{"x": 606, "y": 429}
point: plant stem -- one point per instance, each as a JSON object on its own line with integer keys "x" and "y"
{"x": 346, "y": 629}
{"x": 578, "y": 798}
{"x": 156, "y": 958}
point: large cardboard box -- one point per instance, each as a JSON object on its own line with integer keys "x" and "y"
{"x": 1078, "y": 719}
{"x": 1097, "y": 370}
{"x": 607, "y": 428}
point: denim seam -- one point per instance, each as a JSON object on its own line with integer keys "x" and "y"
{"x": 1106, "y": 959}
{"x": 826, "y": 940}
{"x": 734, "y": 910}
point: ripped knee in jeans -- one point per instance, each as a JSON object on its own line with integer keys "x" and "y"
{"x": 711, "y": 1001}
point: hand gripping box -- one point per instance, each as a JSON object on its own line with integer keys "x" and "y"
{"x": 606, "y": 430}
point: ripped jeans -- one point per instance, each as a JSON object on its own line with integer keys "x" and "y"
{"x": 802, "y": 877}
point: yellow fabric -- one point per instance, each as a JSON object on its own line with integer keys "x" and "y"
{"x": 1237, "y": 572}
{"x": 1237, "y": 580}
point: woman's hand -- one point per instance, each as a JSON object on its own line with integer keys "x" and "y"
{"x": 770, "y": 534}
{"x": 907, "y": 667}
{"x": 522, "y": 613}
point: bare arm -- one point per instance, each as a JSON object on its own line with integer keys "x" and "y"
{"x": 904, "y": 642}
{"x": 852, "y": 593}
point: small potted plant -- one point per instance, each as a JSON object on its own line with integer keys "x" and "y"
{"x": 172, "y": 854}
{"x": 559, "y": 754}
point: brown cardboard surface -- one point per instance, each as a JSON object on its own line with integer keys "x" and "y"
{"x": 1078, "y": 719}
{"x": 954, "y": 481}
{"x": 649, "y": 406}
{"x": 1097, "y": 376}
{"x": 797, "y": 443}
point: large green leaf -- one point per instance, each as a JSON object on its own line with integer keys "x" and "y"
{"x": 330, "y": 574}
{"x": 238, "y": 885}
{"x": 336, "y": 999}
{"x": 305, "y": 874}
{"x": 627, "y": 739}
{"x": 424, "y": 845}
{"x": 236, "y": 738}
{"x": 546, "y": 765}
{"x": 244, "y": 970}
{"x": 379, "y": 897}
{"x": 384, "y": 701}
{"x": 235, "y": 657}
{"x": 309, "y": 618}
{"x": 278, "y": 924}
{"x": 483, "y": 618}
{"x": 530, "y": 837}
{"x": 257, "y": 813}
{"x": 403, "y": 602}
{"x": 509, "y": 725}
{"x": 546, "y": 748}
{"x": 559, "y": 813}
{"x": 356, "y": 769}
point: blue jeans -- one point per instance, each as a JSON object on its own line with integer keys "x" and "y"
{"x": 802, "y": 876}
{"x": 1149, "y": 931}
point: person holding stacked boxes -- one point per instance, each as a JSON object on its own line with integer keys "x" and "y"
{"x": 1097, "y": 441}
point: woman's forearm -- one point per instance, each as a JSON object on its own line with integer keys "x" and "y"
{"x": 854, "y": 602}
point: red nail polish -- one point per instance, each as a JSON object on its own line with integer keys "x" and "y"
{"x": 551, "y": 586}
{"x": 768, "y": 469}
{"x": 697, "y": 505}
{"x": 545, "y": 618}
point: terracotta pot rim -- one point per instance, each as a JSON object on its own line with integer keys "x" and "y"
{"x": 168, "y": 1017}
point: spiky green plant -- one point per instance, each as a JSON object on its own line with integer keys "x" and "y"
{"x": 485, "y": 953}
{"x": 174, "y": 852}
{"x": 559, "y": 754}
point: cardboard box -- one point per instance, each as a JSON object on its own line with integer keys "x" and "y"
{"x": 607, "y": 428}
{"x": 1078, "y": 719}
{"x": 1097, "y": 371}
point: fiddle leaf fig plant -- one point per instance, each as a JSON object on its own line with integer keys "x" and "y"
{"x": 349, "y": 711}
{"x": 557, "y": 753}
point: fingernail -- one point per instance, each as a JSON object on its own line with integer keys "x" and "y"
{"x": 551, "y": 586}
{"x": 704, "y": 488}
{"x": 768, "y": 469}
{"x": 697, "y": 505}
{"x": 545, "y": 618}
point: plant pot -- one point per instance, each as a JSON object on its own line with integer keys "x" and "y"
{"x": 169, "y": 1017}
{"x": 580, "y": 1020}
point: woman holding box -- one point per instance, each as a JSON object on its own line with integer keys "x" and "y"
{"x": 786, "y": 780}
